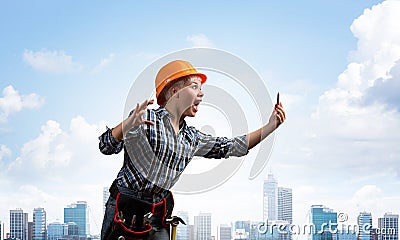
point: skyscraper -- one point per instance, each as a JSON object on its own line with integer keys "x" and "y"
{"x": 191, "y": 232}
{"x": 245, "y": 225}
{"x": 55, "y": 230}
{"x": 39, "y": 224}
{"x": 2, "y": 230}
{"x": 30, "y": 230}
{"x": 257, "y": 233}
{"x": 225, "y": 232}
{"x": 285, "y": 205}
{"x": 77, "y": 213}
{"x": 346, "y": 234}
{"x": 202, "y": 226}
{"x": 364, "y": 222}
{"x": 182, "y": 231}
{"x": 270, "y": 201}
{"x": 389, "y": 227}
{"x": 241, "y": 229}
{"x": 324, "y": 221}
{"x": 72, "y": 229}
{"x": 277, "y": 202}
{"x": 18, "y": 224}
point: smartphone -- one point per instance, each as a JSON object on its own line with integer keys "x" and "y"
{"x": 277, "y": 99}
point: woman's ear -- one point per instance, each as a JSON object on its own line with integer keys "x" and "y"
{"x": 173, "y": 91}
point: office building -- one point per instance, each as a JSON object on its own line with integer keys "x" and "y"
{"x": 324, "y": 222}
{"x": 240, "y": 234}
{"x": 277, "y": 201}
{"x": 346, "y": 234}
{"x": 30, "y": 230}
{"x": 270, "y": 199}
{"x": 255, "y": 233}
{"x": 39, "y": 224}
{"x": 388, "y": 227}
{"x": 77, "y": 213}
{"x": 182, "y": 231}
{"x": 191, "y": 232}
{"x": 18, "y": 224}
{"x": 202, "y": 226}
{"x": 374, "y": 234}
{"x": 364, "y": 222}
{"x": 245, "y": 225}
{"x": 55, "y": 230}
{"x": 224, "y": 232}
{"x": 72, "y": 229}
{"x": 2, "y": 230}
{"x": 285, "y": 205}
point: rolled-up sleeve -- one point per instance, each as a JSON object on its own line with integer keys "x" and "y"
{"x": 108, "y": 145}
{"x": 220, "y": 147}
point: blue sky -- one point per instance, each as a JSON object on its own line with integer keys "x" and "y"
{"x": 66, "y": 69}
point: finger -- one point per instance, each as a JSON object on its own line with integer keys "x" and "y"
{"x": 143, "y": 105}
{"x": 281, "y": 111}
{"x": 282, "y": 115}
{"x": 136, "y": 109}
{"x": 141, "y": 113}
{"x": 279, "y": 106}
{"x": 148, "y": 122}
{"x": 278, "y": 116}
{"x": 279, "y": 119}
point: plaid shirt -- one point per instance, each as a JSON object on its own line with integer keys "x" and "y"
{"x": 155, "y": 156}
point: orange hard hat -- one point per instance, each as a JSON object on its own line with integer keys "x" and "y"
{"x": 171, "y": 72}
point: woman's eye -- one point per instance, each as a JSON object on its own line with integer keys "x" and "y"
{"x": 195, "y": 86}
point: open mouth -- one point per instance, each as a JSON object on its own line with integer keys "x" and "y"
{"x": 196, "y": 105}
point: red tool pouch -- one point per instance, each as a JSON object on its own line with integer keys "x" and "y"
{"x": 164, "y": 208}
{"x": 129, "y": 219}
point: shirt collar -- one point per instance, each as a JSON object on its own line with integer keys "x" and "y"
{"x": 162, "y": 113}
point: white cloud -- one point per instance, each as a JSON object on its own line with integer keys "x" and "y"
{"x": 4, "y": 151}
{"x": 13, "y": 102}
{"x": 367, "y": 196}
{"x": 199, "y": 40}
{"x": 105, "y": 62}
{"x": 378, "y": 40}
{"x": 370, "y": 198}
{"x": 45, "y": 152}
{"x": 377, "y": 53}
{"x": 51, "y": 61}
{"x": 359, "y": 130}
{"x": 59, "y": 167}
{"x": 55, "y": 152}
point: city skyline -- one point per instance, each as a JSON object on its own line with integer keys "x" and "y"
{"x": 77, "y": 213}
{"x": 321, "y": 217}
{"x": 66, "y": 71}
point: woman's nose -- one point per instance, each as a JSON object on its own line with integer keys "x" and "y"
{"x": 200, "y": 94}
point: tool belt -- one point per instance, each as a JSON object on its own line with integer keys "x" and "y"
{"x": 133, "y": 211}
